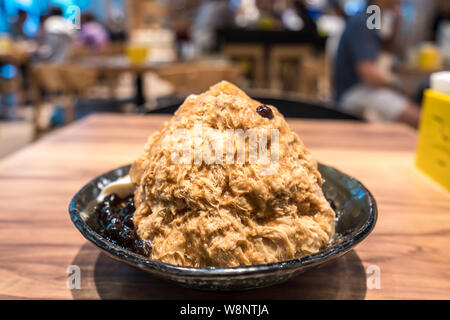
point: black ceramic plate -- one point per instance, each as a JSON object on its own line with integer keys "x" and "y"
{"x": 356, "y": 217}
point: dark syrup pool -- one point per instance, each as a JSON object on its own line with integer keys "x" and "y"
{"x": 114, "y": 217}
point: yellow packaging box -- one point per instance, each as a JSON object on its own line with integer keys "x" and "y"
{"x": 433, "y": 149}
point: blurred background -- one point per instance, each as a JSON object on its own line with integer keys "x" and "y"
{"x": 61, "y": 60}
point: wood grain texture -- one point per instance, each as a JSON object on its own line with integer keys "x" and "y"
{"x": 38, "y": 241}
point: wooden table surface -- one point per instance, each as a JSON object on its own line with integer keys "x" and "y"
{"x": 410, "y": 243}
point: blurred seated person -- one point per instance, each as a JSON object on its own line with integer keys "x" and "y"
{"x": 115, "y": 24}
{"x": 92, "y": 35}
{"x": 361, "y": 87}
{"x": 56, "y": 37}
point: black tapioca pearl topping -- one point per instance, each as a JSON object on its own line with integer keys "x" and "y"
{"x": 112, "y": 231}
{"x": 129, "y": 206}
{"x": 127, "y": 210}
{"x": 102, "y": 206}
{"x": 113, "y": 219}
{"x": 265, "y": 111}
{"x": 102, "y": 214}
{"x": 113, "y": 199}
{"x": 127, "y": 237}
{"x": 128, "y": 221}
{"x": 139, "y": 247}
{"x": 105, "y": 209}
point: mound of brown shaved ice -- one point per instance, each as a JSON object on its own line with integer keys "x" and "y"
{"x": 228, "y": 214}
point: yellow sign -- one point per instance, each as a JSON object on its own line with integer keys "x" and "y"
{"x": 433, "y": 150}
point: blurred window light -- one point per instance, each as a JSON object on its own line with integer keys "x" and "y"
{"x": 352, "y": 7}
{"x": 3, "y": 22}
{"x": 330, "y": 24}
{"x": 409, "y": 11}
{"x": 64, "y": 4}
{"x": 248, "y": 13}
{"x": 292, "y": 21}
{"x": 409, "y": 15}
{"x": 39, "y": 6}
{"x": 84, "y": 4}
{"x": 61, "y": 3}
{"x": 8, "y": 71}
{"x": 35, "y": 9}
{"x": 316, "y": 3}
{"x": 235, "y": 4}
{"x": 24, "y": 3}
{"x": 31, "y": 25}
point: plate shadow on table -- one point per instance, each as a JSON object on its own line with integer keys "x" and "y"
{"x": 105, "y": 278}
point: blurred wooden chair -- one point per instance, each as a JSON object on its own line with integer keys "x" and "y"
{"x": 317, "y": 78}
{"x": 196, "y": 77}
{"x": 324, "y": 81}
{"x": 59, "y": 83}
{"x": 111, "y": 49}
{"x": 307, "y": 68}
{"x": 241, "y": 53}
{"x": 7, "y": 86}
{"x": 78, "y": 79}
{"x": 109, "y": 77}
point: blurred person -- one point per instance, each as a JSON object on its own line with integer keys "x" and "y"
{"x": 211, "y": 16}
{"x": 17, "y": 28}
{"x": 56, "y": 37}
{"x": 116, "y": 24}
{"x": 92, "y": 35}
{"x": 361, "y": 86}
